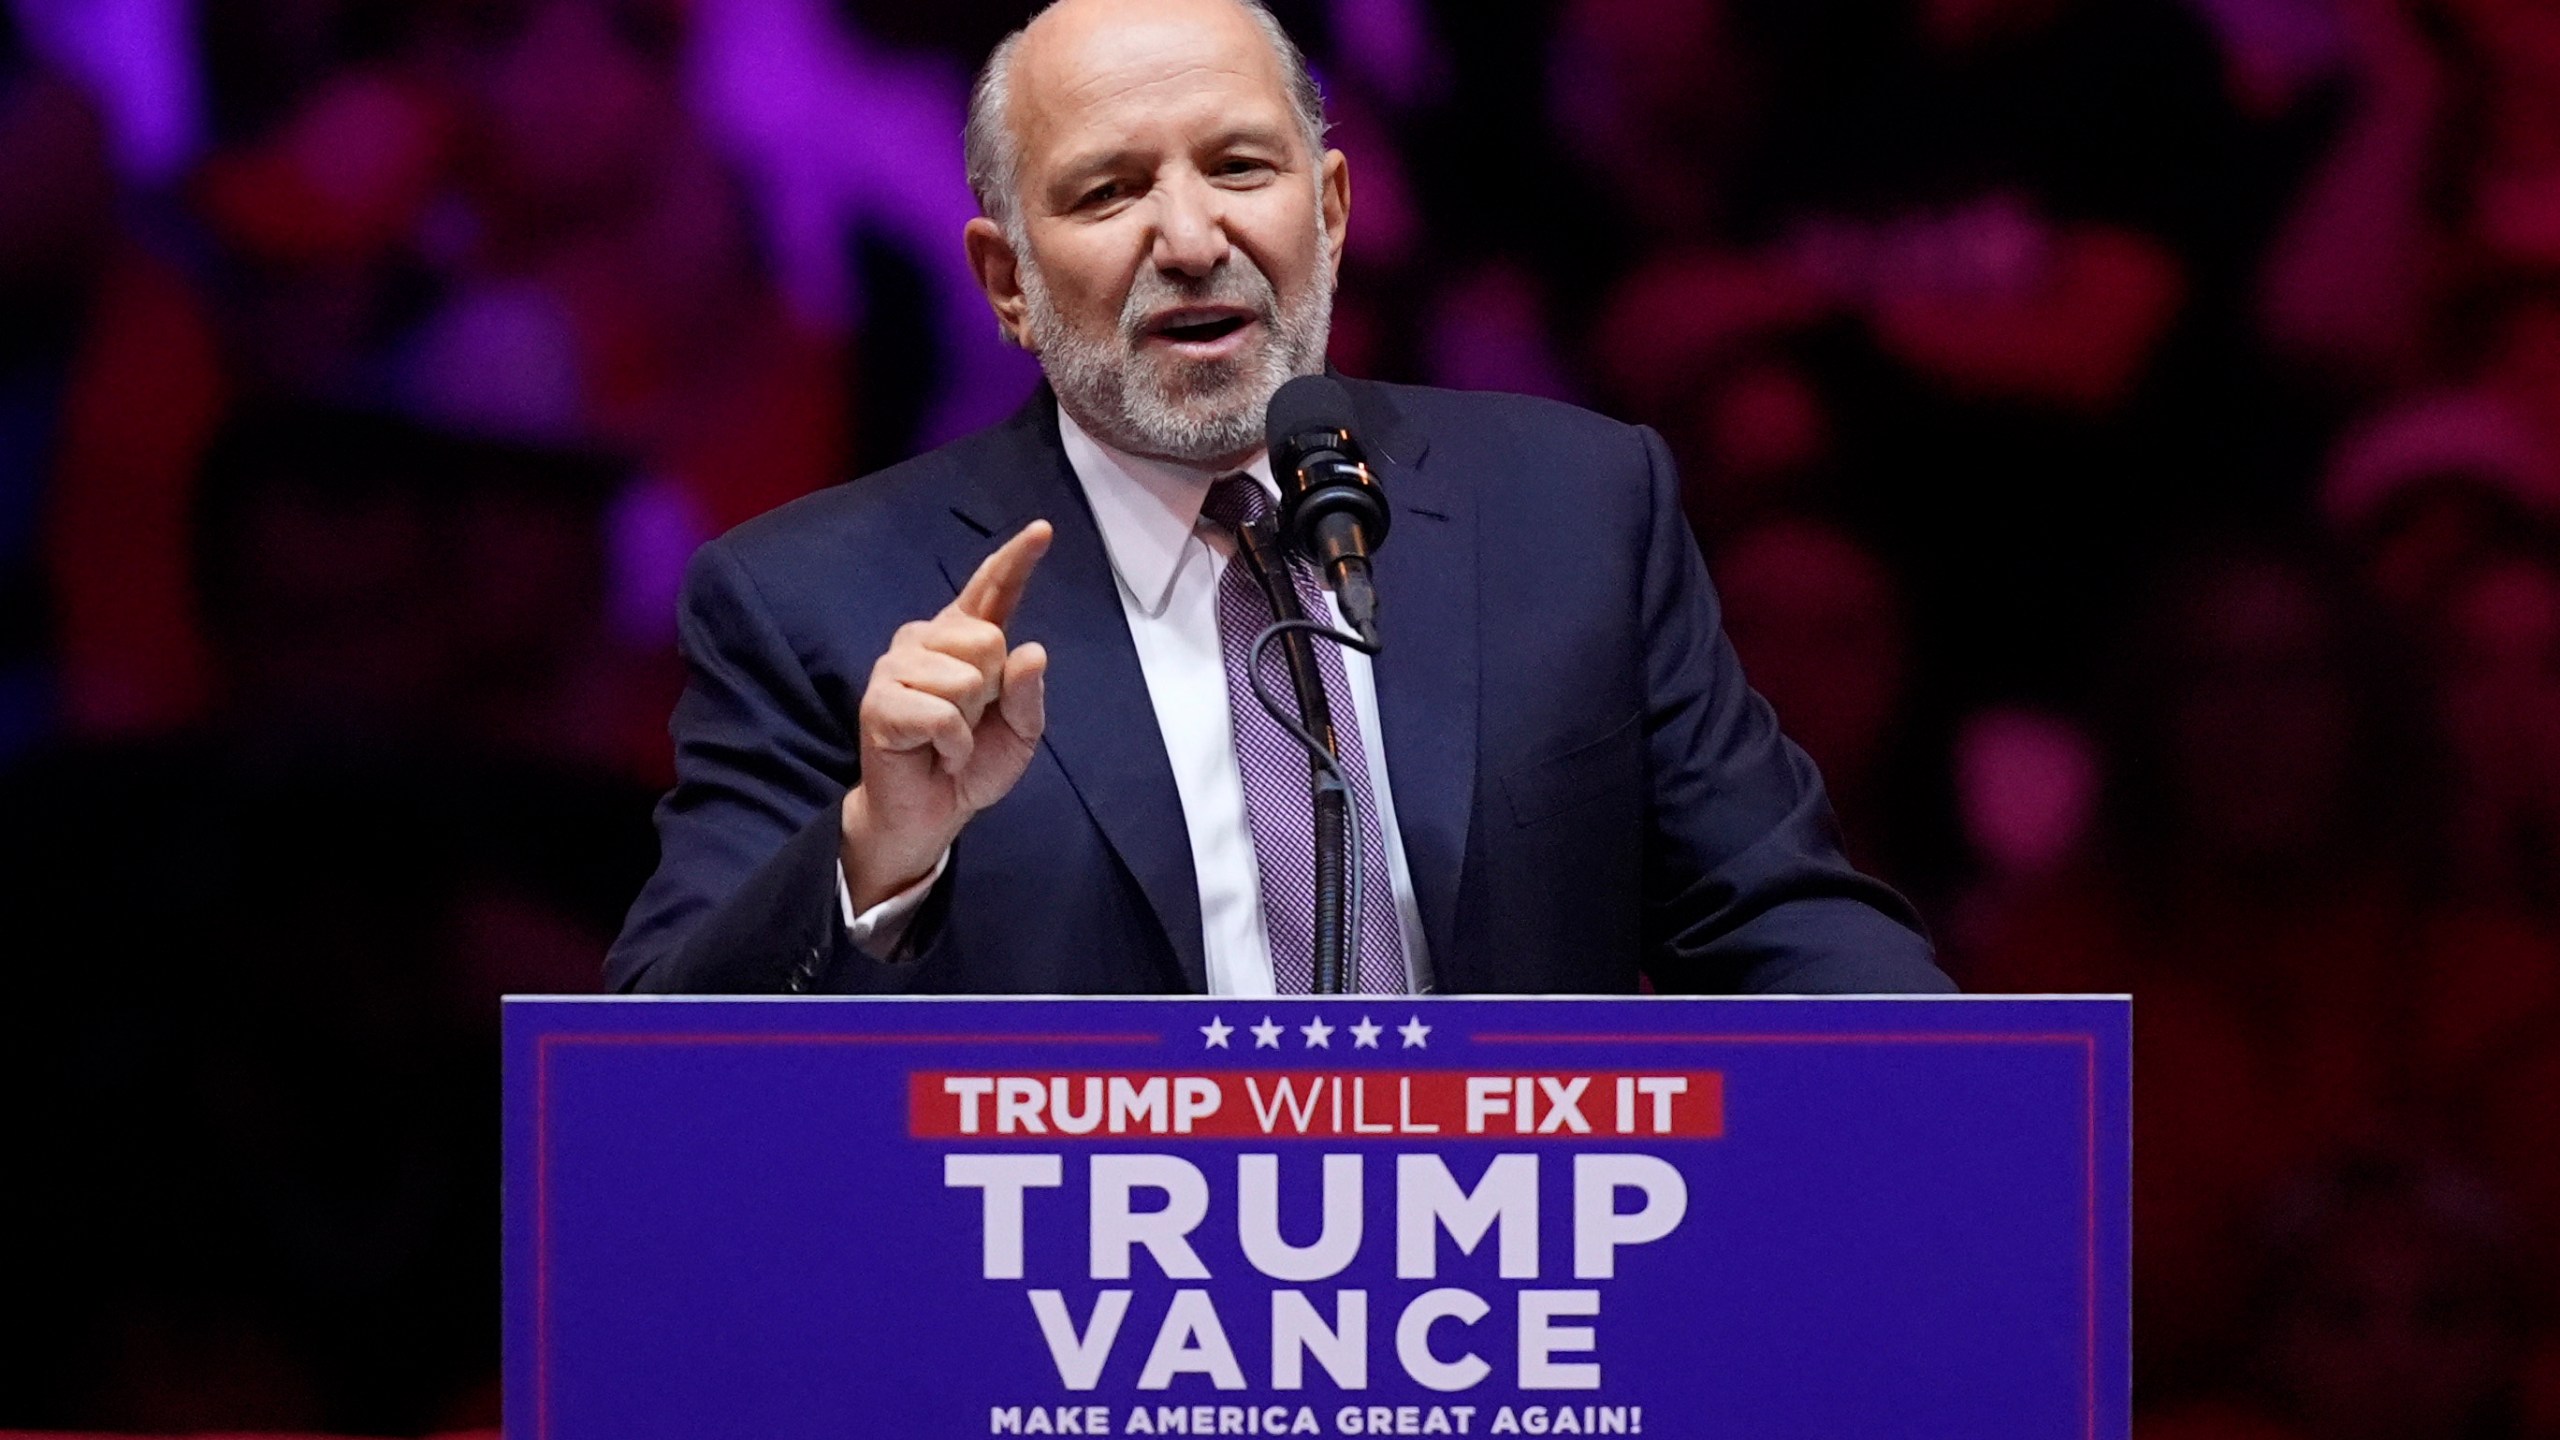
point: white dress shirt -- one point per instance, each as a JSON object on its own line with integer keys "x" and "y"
{"x": 1168, "y": 563}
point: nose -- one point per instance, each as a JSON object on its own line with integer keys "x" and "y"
{"x": 1191, "y": 228}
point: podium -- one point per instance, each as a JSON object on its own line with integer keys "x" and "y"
{"x": 924, "y": 1218}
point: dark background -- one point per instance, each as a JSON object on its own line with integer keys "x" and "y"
{"x": 2126, "y": 432}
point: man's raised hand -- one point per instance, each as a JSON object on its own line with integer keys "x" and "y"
{"x": 948, "y": 725}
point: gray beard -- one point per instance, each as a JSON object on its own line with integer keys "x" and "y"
{"x": 1203, "y": 414}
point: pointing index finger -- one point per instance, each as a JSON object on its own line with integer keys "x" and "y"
{"x": 996, "y": 589}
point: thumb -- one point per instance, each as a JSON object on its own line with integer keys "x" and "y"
{"x": 1026, "y": 691}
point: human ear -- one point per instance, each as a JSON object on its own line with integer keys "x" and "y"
{"x": 1333, "y": 193}
{"x": 999, "y": 274}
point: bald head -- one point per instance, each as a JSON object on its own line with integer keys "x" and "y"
{"x": 1074, "y": 46}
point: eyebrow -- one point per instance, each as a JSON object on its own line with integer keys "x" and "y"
{"x": 1085, "y": 168}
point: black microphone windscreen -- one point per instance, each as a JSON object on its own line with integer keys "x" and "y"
{"x": 1310, "y": 402}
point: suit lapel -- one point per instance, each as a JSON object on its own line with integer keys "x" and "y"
{"x": 1427, "y": 677}
{"x": 1102, "y": 726}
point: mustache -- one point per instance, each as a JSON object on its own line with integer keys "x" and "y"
{"x": 1237, "y": 281}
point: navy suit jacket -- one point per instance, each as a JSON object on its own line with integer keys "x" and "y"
{"x": 1586, "y": 786}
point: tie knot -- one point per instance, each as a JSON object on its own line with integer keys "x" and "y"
{"x": 1236, "y": 502}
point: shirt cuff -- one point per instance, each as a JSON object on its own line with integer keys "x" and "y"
{"x": 877, "y": 931}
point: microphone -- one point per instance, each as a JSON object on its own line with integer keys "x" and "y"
{"x": 1331, "y": 508}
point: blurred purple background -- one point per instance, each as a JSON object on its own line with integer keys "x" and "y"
{"x": 2127, "y": 433}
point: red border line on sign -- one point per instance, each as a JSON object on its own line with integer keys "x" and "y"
{"x": 542, "y": 1236}
{"x": 544, "y": 1044}
{"x": 2089, "y": 1082}
{"x": 542, "y": 1048}
{"x": 2088, "y": 1044}
{"x": 1122, "y": 1038}
{"x": 1693, "y": 1038}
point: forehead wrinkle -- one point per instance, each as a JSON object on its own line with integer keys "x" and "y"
{"x": 1102, "y": 89}
{"x": 1078, "y": 150}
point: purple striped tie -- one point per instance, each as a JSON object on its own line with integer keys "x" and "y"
{"x": 1277, "y": 805}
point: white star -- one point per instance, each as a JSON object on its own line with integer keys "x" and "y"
{"x": 1217, "y": 1031}
{"x": 1415, "y": 1033}
{"x": 1364, "y": 1036}
{"x": 1266, "y": 1036}
{"x": 1319, "y": 1034}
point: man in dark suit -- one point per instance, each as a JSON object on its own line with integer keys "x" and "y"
{"x": 907, "y": 765}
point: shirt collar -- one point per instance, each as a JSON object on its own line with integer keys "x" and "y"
{"x": 1148, "y": 510}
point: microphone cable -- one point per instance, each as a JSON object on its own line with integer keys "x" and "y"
{"x": 1339, "y": 872}
{"x": 1334, "y": 783}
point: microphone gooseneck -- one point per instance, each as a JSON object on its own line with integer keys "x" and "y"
{"x": 1337, "y": 822}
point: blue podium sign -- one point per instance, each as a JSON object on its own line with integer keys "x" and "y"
{"x": 946, "y": 1218}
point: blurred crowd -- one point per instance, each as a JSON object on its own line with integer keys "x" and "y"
{"x": 2126, "y": 434}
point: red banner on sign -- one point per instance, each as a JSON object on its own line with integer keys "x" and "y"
{"x": 1308, "y": 1105}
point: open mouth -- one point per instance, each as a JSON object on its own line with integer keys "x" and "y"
{"x": 1200, "y": 327}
